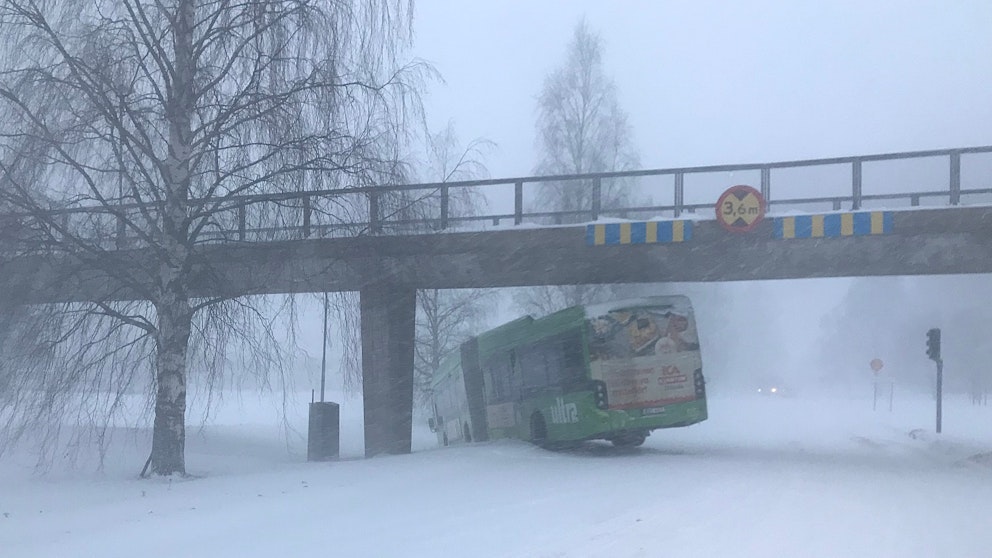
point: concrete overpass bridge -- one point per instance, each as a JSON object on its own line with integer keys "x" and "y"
{"x": 942, "y": 229}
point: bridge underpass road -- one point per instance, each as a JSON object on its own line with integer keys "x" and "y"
{"x": 388, "y": 269}
{"x": 835, "y": 479}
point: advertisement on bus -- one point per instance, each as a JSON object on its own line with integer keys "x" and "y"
{"x": 646, "y": 356}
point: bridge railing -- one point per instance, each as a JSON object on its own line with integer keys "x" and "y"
{"x": 433, "y": 207}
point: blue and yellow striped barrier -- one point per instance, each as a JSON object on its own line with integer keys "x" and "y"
{"x": 649, "y": 232}
{"x": 834, "y": 225}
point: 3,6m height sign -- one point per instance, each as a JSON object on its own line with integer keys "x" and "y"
{"x": 740, "y": 209}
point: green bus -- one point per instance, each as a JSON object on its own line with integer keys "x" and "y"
{"x": 613, "y": 371}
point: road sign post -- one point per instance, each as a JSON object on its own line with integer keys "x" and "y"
{"x": 876, "y": 365}
{"x": 940, "y": 393}
{"x": 933, "y": 351}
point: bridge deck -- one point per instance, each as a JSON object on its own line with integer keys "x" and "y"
{"x": 920, "y": 242}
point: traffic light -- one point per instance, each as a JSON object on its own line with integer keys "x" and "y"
{"x": 933, "y": 344}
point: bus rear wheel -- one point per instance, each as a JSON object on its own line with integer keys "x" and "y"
{"x": 629, "y": 439}
{"x": 538, "y": 430}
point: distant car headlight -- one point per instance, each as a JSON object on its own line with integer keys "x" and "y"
{"x": 774, "y": 390}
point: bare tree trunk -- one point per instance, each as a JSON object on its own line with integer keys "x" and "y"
{"x": 172, "y": 342}
{"x": 581, "y": 128}
{"x": 174, "y": 314}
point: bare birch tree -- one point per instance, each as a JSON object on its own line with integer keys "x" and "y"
{"x": 581, "y": 128}
{"x": 159, "y": 114}
{"x": 446, "y": 318}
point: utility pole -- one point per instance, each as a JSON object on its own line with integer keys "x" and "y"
{"x": 323, "y": 353}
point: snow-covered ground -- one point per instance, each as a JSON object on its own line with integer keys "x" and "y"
{"x": 763, "y": 477}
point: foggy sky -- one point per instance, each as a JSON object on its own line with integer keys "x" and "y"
{"x": 723, "y": 82}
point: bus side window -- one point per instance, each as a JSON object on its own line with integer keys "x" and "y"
{"x": 573, "y": 359}
{"x": 534, "y": 366}
{"x": 565, "y": 360}
{"x": 503, "y": 377}
{"x": 514, "y": 379}
{"x": 491, "y": 374}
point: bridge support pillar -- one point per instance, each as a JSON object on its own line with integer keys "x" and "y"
{"x": 388, "y": 323}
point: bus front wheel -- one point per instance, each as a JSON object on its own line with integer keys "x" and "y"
{"x": 538, "y": 430}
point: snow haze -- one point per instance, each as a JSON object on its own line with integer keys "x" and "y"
{"x": 838, "y": 461}
{"x": 818, "y": 477}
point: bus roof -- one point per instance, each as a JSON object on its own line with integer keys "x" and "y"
{"x": 677, "y": 303}
{"x": 527, "y": 329}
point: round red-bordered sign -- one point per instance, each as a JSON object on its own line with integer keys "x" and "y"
{"x": 740, "y": 208}
{"x": 876, "y": 365}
